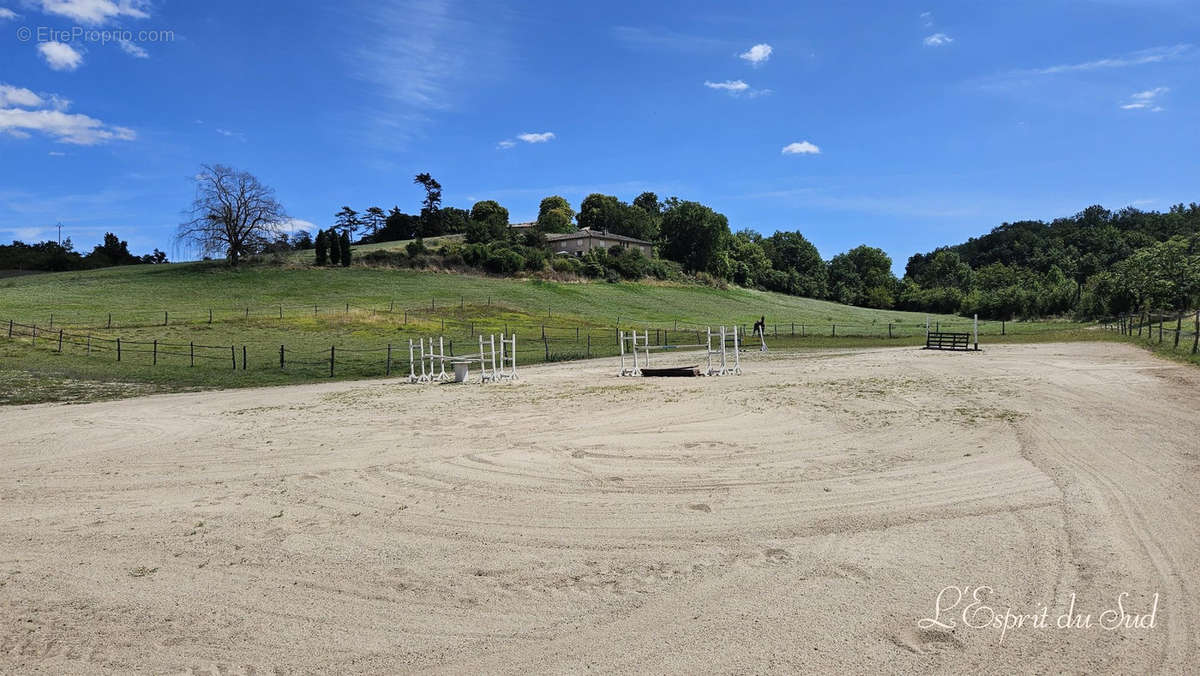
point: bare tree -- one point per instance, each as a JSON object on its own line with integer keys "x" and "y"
{"x": 232, "y": 212}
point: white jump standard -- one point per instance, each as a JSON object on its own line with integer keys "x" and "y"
{"x": 636, "y": 369}
{"x": 636, "y": 347}
{"x": 724, "y": 369}
{"x": 432, "y": 361}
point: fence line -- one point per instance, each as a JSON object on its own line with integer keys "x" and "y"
{"x": 1152, "y": 326}
{"x": 550, "y": 344}
{"x": 428, "y": 314}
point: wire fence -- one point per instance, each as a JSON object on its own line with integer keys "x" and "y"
{"x": 460, "y": 316}
{"x": 1159, "y": 327}
{"x": 543, "y": 339}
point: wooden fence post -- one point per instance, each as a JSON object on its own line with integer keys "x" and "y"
{"x": 210, "y": 315}
{"x": 60, "y": 335}
{"x": 165, "y": 315}
{"x": 110, "y": 321}
{"x": 835, "y": 330}
{"x": 118, "y": 348}
{"x": 388, "y": 371}
{"x": 233, "y": 356}
{"x": 331, "y": 355}
{"x": 1196, "y": 334}
{"x": 281, "y": 358}
{"x": 89, "y": 346}
{"x": 10, "y": 325}
{"x": 1002, "y": 328}
{"x": 243, "y": 357}
{"x": 51, "y": 321}
{"x": 191, "y": 355}
{"x": 1178, "y": 328}
{"x": 546, "y": 342}
{"x": 889, "y": 330}
{"x": 33, "y": 343}
{"x": 154, "y": 362}
{"x": 589, "y": 345}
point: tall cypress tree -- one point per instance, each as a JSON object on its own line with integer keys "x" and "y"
{"x": 335, "y": 247}
{"x": 322, "y": 246}
{"x": 345, "y": 249}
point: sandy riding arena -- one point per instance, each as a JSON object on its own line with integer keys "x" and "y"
{"x": 825, "y": 511}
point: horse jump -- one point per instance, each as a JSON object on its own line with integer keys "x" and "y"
{"x": 494, "y": 366}
{"x": 637, "y": 347}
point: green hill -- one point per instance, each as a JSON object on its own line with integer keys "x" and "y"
{"x": 186, "y": 325}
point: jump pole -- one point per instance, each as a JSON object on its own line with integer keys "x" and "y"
{"x": 484, "y": 375}
{"x": 976, "y": 333}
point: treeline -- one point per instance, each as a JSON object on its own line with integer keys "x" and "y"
{"x": 51, "y": 256}
{"x": 1094, "y": 263}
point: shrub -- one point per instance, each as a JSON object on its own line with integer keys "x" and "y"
{"x": 535, "y": 259}
{"x": 415, "y": 247}
{"x": 566, "y": 264}
{"x": 504, "y": 261}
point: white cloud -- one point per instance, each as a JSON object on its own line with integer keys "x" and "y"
{"x": 295, "y": 224}
{"x": 133, "y": 50}
{"x": 60, "y": 56}
{"x": 95, "y": 12}
{"x": 536, "y": 138}
{"x": 430, "y": 55}
{"x": 506, "y": 144}
{"x": 7, "y": 14}
{"x": 738, "y": 88}
{"x": 927, "y": 19}
{"x": 1146, "y": 100}
{"x": 757, "y": 54}
{"x": 801, "y": 148}
{"x": 1142, "y": 57}
{"x": 23, "y": 112}
{"x": 938, "y": 40}
{"x": 732, "y": 86}
{"x": 55, "y": 153}
{"x": 65, "y": 127}
{"x": 231, "y": 134}
{"x": 18, "y": 96}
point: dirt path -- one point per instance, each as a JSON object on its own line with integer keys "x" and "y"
{"x": 805, "y": 515}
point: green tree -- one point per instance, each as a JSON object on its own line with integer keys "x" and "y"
{"x": 345, "y": 249}
{"x": 347, "y": 220}
{"x": 489, "y": 222}
{"x": 790, "y": 252}
{"x": 555, "y": 215}
{"x": 649, "y": 203}
{"x": 374, "y": 218}
{"x": 862, "y": 276}
{"x": 696, "y": 237}
{"x": 322, "y": 246}
{"x": 335, "y": 247}
{"x": 555, "y": 202}
{"x": 750, "y": 265}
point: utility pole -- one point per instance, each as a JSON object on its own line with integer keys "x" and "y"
{"x": 60, "y": 233}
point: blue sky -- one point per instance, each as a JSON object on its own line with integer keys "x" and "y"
{"x": 904, "y": 125}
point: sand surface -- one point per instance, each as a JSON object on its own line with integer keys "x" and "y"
{"x": 803, "y": 516}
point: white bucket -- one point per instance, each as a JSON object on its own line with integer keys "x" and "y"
{"x": 460, "y": 371}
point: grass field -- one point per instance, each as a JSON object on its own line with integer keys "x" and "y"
{"x": 186, "y": 325}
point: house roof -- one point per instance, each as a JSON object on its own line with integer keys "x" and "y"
{"x": 526, "y": 224}
{"x": 584, "y": 233}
